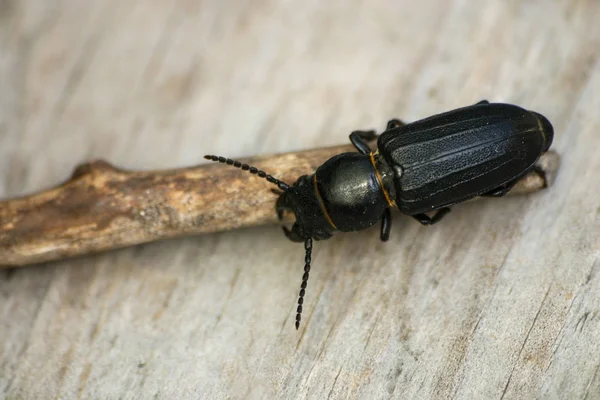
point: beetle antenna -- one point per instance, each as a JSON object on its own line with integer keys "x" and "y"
{"x": 308, "y": 248}
{"x": 253, "y": 170}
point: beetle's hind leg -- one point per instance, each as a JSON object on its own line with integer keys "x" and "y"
{"x": 425, "y": 219}
{"x": 504, "y": 189}
{"x": 360, "y": 138}
{"x": 500, "y": 191}
{"x": 386, "y": 225}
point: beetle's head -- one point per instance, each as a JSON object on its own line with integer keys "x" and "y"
{"x": 299, "y": 199}
{"x": 547, "y": 130}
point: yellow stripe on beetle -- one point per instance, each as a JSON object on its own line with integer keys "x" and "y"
{"x": 327, "y": 217}
{"x": 391, "y": 202}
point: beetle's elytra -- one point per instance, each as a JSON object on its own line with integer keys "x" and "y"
{"x": 427, "y": 165}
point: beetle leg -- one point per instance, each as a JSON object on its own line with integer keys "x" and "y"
{"x": 386, "y": 225}
{"x": 367, "y": 135}
{"x": 359, "y": 140}
{"x": 483, "y": 102}
{"x": 502, "y": 190}
{"x": 394, "y": 123}
{"x": 427, "y": 220}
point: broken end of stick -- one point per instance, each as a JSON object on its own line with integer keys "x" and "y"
{"x": 549, "y": 163}
{"x": 533, "y": 181}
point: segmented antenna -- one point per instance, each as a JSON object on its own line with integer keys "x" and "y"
{"x": 253, "y": 170}
{"x": 308, "y": 248}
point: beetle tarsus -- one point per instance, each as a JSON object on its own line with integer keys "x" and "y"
{"x": 425, "y": 219}
{"x": 386, "y": 225}
{"x": 502, "y": 190}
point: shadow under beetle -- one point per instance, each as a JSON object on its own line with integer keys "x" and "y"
{"x": 427, "y": 165}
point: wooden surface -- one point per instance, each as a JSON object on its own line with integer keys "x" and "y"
{"x": 500, "y": 300}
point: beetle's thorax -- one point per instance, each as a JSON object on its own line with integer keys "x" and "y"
{"x": 351, "y": 191}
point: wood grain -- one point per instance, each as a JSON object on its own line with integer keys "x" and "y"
{"x": 104, "y": 208}
{"x": 501, "y": 300}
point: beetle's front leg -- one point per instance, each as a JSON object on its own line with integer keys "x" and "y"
{"x": 360, "y": 138}
{"x": 427, "y": 220}
{"x": 386, "y": 225}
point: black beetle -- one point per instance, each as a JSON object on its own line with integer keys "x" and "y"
{"x": 427, "y": 165}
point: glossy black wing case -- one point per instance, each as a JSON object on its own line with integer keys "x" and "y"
{"x": 460, "y": 154}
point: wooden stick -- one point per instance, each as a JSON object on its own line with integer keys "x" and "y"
{"x": 102, "y": 208}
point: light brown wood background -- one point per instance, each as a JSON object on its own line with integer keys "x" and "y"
{"x": 500, "y": 300}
